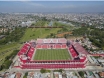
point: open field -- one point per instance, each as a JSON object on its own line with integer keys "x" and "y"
{"x": 41, "y": 23}
{"x": 7, "y": 46}
{"x": 6, "y": 50}
{"x": 2, "y": 57}
{"x": 34, "y": 33}
{"x": 52, "y": 54}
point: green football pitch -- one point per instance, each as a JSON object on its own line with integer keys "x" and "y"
{"x": 52, "y": 54}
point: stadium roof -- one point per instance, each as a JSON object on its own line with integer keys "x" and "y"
{"x": 79, "y": 48}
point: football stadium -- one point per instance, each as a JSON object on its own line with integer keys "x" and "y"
{"x": 52, "y": 53}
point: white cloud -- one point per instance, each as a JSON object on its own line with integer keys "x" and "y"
{"x": 51, "y": 0}
{"x": 34, "y": 4}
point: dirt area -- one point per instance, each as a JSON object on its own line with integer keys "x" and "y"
{"x": 62, "y": 34}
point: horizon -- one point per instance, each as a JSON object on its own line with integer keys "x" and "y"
{"x": 51, "y": 6}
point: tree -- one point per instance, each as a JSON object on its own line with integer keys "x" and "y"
{"x": 65, "y": 35}
{"x": 42, "y": 70}
{"x": 1, "y": 67}
{"x": 60, "y": 70}
{"x": 32, "y": 24}
{"x": 81, "y": 74}
{"x": 7, "y": 64}
{"x": 25, "y": 76}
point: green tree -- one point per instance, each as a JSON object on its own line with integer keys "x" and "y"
{"x": 7, "y": 64}
{"x": 26, "y": 74}
{"x": 42, "y": 70}
{"x": 60, "y": 70}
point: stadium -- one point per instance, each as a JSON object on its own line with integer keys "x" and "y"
{"x": 53, "y": 53}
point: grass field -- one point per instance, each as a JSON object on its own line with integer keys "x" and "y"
{"x": 7, "y": 49}
{"x": 52, "y": 54}
{"x": 42, "y": 23}
{"x": 34, "y": 33}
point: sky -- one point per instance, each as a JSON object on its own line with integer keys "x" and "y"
{"x": 51, "y": 6}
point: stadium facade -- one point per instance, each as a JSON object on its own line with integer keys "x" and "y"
{"x": 27, "y": 52}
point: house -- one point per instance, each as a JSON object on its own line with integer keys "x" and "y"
{"x": 101, "y": 74}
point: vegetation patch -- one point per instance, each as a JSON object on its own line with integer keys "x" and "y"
{"x": 45, "y": 71}
{"x": 26, "y": 74}
{"x": 81, "y": 74}
{"x": 8, "y": 60}
{"x": 34, "y": 33}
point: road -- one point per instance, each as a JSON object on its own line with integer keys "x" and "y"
{"x": 88, "y": 68}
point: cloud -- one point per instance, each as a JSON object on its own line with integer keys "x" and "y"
{"x": 51, "y": 0}
{"x": 31, "y": 3}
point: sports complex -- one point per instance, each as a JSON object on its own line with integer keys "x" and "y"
{"x": 51, "y": 53}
